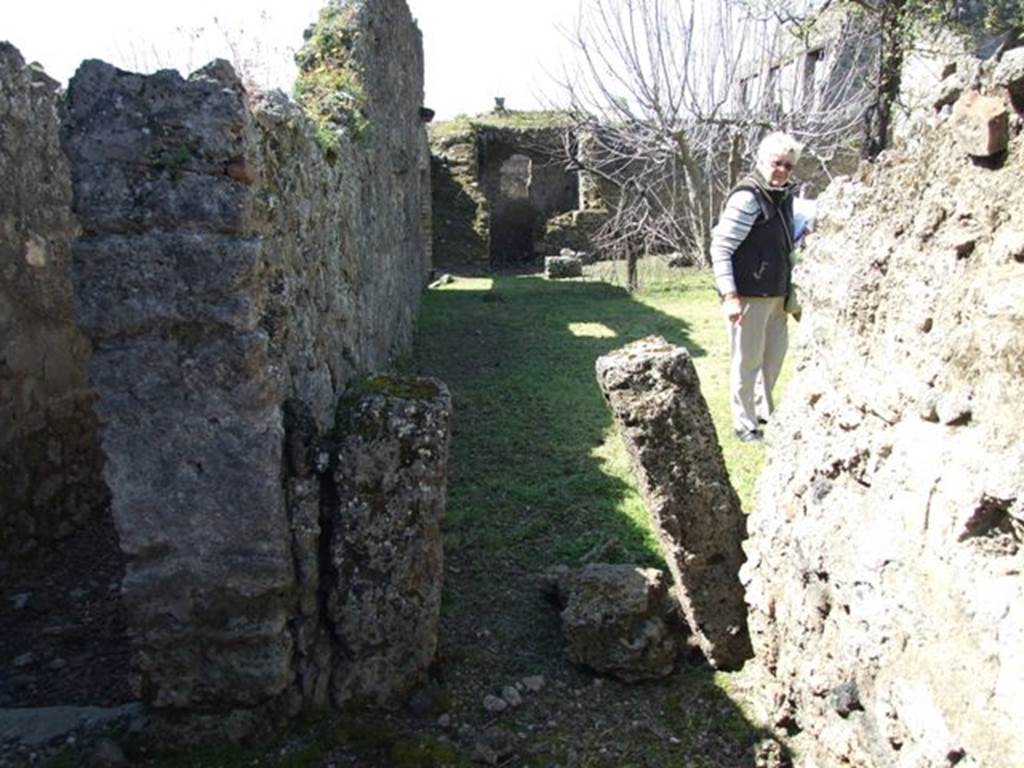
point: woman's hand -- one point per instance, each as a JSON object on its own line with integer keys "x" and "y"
{"x": 731, "y": 308}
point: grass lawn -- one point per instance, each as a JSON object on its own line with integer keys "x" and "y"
{"x": 539, "y": 477}
{"x": 534, "y": 439}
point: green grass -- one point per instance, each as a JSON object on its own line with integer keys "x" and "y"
{"x": 447, "y": 131}
{"x": 534, "y": 439}
{"x": 364, "y": 737}
{"x": 538, "y": 476}
{"x": 690, "y": 294}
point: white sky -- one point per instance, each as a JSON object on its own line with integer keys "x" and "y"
{"x": 475, "y": 49}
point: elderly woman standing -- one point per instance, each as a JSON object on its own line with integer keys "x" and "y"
{"x": 751, "y": 252}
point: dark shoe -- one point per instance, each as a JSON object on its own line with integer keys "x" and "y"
{"x": 762, "y": 420}
{"x": 749, "y": 435}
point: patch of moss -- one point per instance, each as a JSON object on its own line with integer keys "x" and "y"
{"x": 394, "y": 386}
{"x": 66, "y": 758}
{"x": 422, "y": 753}
{"x": 463, "y": 126}
{"x": 330, "y": 84}
{"x": 174, "y": 159}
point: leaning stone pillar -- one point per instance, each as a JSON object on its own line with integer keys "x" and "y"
{"x": 384, "y": 602}
{"x": 654, "y": 393}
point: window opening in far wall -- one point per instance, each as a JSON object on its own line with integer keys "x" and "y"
{"x": 515, "y": 177}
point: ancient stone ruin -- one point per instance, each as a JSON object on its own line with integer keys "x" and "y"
{"x": 500, "y": 181}
{"x": 238, "y": 264}
{"x": 886, "y": 548}
{"x": 654, "y": 393}
{"x": 202, "y": 284}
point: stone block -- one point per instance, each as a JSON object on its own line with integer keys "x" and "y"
{"x": 201, "y": 278}
{"x": 560, "y": 267}
{"x": 1009, "y": 73}
{"x": 233, "y": 275}
{"x": 619, "y": 620}
{"x": 385, "y": 537}
{"x": 152, "y": 152}
{"x": 654, "y": 394}
{"x": 981, "y": 124}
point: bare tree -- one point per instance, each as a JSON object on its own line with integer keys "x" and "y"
{"x": 670, "y": 96}
{"x": 893, "y": 30}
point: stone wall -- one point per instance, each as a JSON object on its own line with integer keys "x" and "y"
{"x": 550, "y": 189}
{"x": 885, "y": 552}
{"x": 461, "y": 216}
{"x": 50, "y": 466}
{"x": 498, "y": 180}
{"x": 240, "y": 263}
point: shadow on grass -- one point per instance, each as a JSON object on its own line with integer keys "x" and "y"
{"x": 531, "y": 480}
{"x": 529, "y": 416}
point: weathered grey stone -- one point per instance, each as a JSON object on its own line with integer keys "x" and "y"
{"x": 494, "y": 704}
{"x": 235, "y": 273}
{"x": 654, "y": 394}
{"x": 886, "y": 545}
{"x": 34, "y": 726}
{"x": 1009, "y": 73}
{"x": 619, "y": 620}
{"x": 385, "y": 542}
{"x": 50, "y": 465}
{"x": 947, "y": 92}
{"x": 981, "y": 123}
{"x": 559, "y": 267}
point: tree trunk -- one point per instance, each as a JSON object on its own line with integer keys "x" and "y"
{"x": 878, "y": 116}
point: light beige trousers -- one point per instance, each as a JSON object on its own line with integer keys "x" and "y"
{"x": 757, "y": 348}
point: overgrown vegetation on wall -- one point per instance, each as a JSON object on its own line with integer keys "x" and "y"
{"x": 329, "y": 84}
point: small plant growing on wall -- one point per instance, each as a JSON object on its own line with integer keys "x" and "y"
{"x": 329, "y": 85}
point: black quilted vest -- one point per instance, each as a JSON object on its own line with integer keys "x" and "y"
{"x": 761, "y": 263}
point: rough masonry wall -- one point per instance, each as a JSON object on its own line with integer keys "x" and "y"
{"x": 886, "y": 549}
{"x": 50, "y": 467}
{"x": 235, "y": 272}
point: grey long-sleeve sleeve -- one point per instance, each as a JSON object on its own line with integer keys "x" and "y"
{"x": 733, "y": 226}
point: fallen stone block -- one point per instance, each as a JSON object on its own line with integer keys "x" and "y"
{"x": 619, "y": 620}
{"x": 559, "y": 267}
{"x": 653, "y": 391}
{"x": 982, "y": 124}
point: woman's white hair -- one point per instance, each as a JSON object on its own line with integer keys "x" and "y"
{"x": 778, "y": 143}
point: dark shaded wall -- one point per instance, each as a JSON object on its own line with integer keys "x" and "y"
{"x": 516, "y": 223}
{"x": 50, "y": 467}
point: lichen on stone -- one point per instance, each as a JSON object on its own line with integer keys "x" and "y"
{"x": 395, "y": 386}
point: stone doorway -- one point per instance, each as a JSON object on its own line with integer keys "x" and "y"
{"x": 513, "y": 218}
